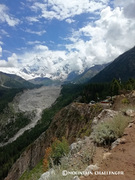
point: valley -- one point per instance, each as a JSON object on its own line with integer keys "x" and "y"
{"x": 33, "y": 102}
{"x": 35, "y": 117}
{"x": 67, "y": 89}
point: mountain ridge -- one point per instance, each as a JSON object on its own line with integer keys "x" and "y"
{"x": 14, "y": 81}
{"x": 122, "y": 67}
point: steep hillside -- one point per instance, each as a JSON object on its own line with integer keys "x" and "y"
{"x": 88, "y": 74}
{"x": 76, "y": 117}
{"x": 14, "y": 81}
{"x": 122, "y": 67}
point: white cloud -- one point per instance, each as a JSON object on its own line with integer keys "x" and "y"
{"x": 70, "y": 20}
{"x": 41, "y": 48}
{"x": 109, "y": 36}
{"x": 35, "y": 42}
{"x": 66, "y": 9}
{"x": 39, "y": 33}
{"x": 129, "y": 11}
{"x": 6, "y": 17}
{"x": 0, "y": 50}
{"x": 3, "y": 32}
{"x": 11, "y": 62}
{"x": 32, "y": 19}
{"x": 128, "y": 6}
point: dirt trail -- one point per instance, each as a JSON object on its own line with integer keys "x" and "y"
{"x": 35, "y": 100}
{"x": 121, "y": 159}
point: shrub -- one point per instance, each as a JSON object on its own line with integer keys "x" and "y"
{"x": 46, "y": 159}
{"x": 59, "y": 149}
{"x": 107, "y": 132}
{"x": 54, "y": 153}
{"x": 125, "y": 101}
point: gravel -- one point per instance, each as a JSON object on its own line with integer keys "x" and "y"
{"x": 34, "y": 101}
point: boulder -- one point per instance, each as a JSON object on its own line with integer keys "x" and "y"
{"x": 103, "y": 116}
{"x": 106, "y": 155}
{"x": 90, "y": 169}
{"x": 130, "y": 113}
{"x": 47, "y": 175}
{"x": 117, "y": 142}
{"x": 75, "y": 147}
{"x": 76, "y": 178}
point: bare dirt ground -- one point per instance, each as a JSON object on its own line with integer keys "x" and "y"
{"x": 122, "y": 158}
{"x": 34, "y": 101}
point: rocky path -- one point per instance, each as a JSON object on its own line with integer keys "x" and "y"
{"x": 34, "y": 101}
{"x": 121, "y": 158}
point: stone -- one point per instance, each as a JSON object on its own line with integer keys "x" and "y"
{"x": 106, "y": 155}
{"x": 76, "y": 178}
{"x": 75, "y": 147}
{"x": 130, "y": 125}
{"x": 47, "y": 175}
{"x": 103, "y": 116}
{"x": 115, "y": 143}
{"x": 90, "y": 168}
{"x": 122, "y": 140}
{"x": 130, "y": 113}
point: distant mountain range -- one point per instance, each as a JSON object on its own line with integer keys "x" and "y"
{"x": 122, "y": 67}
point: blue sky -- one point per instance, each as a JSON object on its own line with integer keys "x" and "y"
{"x": 94, "y": 31}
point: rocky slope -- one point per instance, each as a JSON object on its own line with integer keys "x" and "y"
{"x": 122, "y": 67}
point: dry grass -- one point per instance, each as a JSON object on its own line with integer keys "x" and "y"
{"x": 107, "y": 132}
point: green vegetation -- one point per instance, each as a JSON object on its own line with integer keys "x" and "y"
{"x": 125, "y": 101}
{"x": 6, "y": 96}
{"x": 14, "y": 81}
{"x": 33, "y": 174}
{"x": 67, "y": 162}
{"x": 18, "y": 121}
{"x": 99, "y": 91}
{"x": 122, "y": 67}
{"x": 54, "y": 153}
{"x": 59, "y": 149}
{"x": 107, "y": 132}
{"x": 71, "y": 164}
